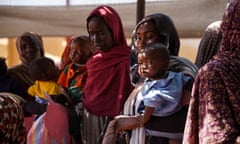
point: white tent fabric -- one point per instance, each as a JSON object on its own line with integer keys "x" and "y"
{"x": 190, "y": 16}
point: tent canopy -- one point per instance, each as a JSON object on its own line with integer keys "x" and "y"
{"x": 191, "y": 17}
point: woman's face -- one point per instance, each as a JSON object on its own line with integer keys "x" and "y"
{"x": 100, "y": 34}
{"x": 147, "y": 33}
{"x": 29, "y": 50}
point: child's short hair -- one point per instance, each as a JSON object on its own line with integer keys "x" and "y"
{"x": 157, "y": 48}
{"x": 84, "y": 40}
{"x": 43, "y": 69}
{"x": 3, "y": 66}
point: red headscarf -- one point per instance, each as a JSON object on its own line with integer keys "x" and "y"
{"x": 108, "y": 84}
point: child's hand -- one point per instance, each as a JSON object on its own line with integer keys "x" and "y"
{"x": 126, "y": 123}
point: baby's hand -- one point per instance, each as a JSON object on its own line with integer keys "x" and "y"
{"x": 126, "y": 123}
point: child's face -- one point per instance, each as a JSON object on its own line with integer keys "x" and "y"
{"x": 151, "y": 66}
{"x": 78, "y": 53}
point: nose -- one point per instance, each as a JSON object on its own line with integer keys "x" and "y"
{"x": 140, "y": 44}
{"x": 95, "y": 38}
{"x": 29, "y": 48}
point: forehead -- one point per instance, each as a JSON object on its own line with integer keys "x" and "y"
{"x": 26, "y": 39}
{"x": 150, "y": 54}
{"x": 148, "y": 26}
{"x": 96, "y": 22}
{"x": 79, "y": 45}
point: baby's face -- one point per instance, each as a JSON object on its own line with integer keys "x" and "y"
{"x": 78, "y": 53}
{"x": 151, "y": 66}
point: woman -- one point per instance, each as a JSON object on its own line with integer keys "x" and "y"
{"x": 214, "y": 110}
{"x": 108, "y": 84}
{"x": 29, "y": 47}
{"x": 12, "y": 129}
{"x": 209, "y": 44}
{"x": 160, "y": 28}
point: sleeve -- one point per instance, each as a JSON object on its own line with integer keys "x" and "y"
{"x": 62, "y": 80}
{"x": 164, "y": 102}
{"x": 31, "y": 90}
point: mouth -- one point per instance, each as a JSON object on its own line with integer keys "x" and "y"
{"x": 29, "y": 56}
{"x": 97, "y": 46}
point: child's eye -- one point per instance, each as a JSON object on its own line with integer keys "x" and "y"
{"x": 149, "y": 63}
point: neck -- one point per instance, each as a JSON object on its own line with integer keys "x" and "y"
{"x": 162, "y": 76}
{"x": 77, "y": 64}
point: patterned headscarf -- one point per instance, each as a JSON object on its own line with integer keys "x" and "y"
{"x": 231, "y": 28}
{"x": 12, "y": 129}
{"x": 214, "y": 112}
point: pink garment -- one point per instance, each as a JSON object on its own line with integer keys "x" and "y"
{"x": 51, "y": 127}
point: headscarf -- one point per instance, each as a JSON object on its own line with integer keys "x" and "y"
{"x": 165, "y": 27}
{"x": 209, "y": 44}
{"x": 65, "y": 60}
{"x": 35, "y": 38}
{"x": 214, "y": 112}
{"x": 108, "y": 83}
{"x": 12, "y": 129}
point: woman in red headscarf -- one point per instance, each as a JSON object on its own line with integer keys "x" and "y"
{"x": 108, "y": 84}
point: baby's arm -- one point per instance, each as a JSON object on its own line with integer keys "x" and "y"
{"x": 31, "y": 90}
{"x": 125, "y": 122}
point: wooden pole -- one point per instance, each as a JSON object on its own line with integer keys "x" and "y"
{"x": 140, "y": 10}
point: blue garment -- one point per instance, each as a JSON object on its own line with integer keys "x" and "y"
{"x": 163, "y": 95}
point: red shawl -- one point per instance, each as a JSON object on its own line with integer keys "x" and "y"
{"x": 108, "y": 84}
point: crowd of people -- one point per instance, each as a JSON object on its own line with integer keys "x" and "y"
{"x": 106, "y": 92}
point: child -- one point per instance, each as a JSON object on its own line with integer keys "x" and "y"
{"x": 7, "y": 84}
{"x": 159, "y": 96}
{"x": 44, "y": 72}
{"x": 73, "y": 79}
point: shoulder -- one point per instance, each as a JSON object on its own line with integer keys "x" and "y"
{"x": 180, "y": 64}
{"x": 18, "y": 69}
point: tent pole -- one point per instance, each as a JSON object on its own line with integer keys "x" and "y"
{"x": 140, "y": 10}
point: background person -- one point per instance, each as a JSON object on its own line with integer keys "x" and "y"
{"x": 210, "y": 43}
{"x": 213, "y": 115}
{"x": 73, "y": 78}
{"x": 7, "y": 84}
